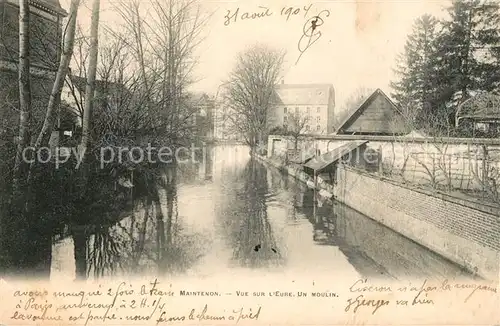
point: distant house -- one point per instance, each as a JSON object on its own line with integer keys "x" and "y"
{"x": 201, "y": 114}
{"x": 110, "y": 95}
{"x": 479, "y": 115}
{"x": 375, "y": 115}
{"x": 315, "y": 101}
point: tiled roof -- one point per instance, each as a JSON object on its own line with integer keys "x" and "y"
{"x": 303, "y": 94}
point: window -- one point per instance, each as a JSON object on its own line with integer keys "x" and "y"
{"x": 308, "y": 128}
{"x": 318, "y": 128}
{"x": 318, "y": 119}
{"x": 285, "y": 119}
{"x": 284, "y": 110}
{"x": 318, "y": 109}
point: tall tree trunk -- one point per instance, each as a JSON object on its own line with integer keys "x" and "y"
{"x": 55, "y": 95}
{"x": 91, "y": 75}
{"x": 24, "y": 93}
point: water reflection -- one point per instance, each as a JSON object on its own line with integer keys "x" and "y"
{"x": 373, "y": 249}
{"x": 231, "y": 213}
{"x": 252, "y": 239}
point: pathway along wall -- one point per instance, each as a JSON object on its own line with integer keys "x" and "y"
{"x": 464, "y": 232}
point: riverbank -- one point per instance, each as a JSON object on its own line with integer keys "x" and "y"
{"x": 324, "y": 189}
{"x": 455, "y": 229}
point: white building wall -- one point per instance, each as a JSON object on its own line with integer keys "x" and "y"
{"x": 318, "y": 116}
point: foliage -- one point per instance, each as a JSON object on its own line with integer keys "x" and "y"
{"x": 446, "y": 62}
{"x": 141, "y": 101}
{"x": 415, "y": 87}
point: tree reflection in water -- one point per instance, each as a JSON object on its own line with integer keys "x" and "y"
{"x": 252, "y": 235}
{"x": 319, "y": 213}
{"x": 147, "y": 242}
{"x": 104, "y": 255}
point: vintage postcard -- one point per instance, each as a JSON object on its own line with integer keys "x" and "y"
{"x": 250, "y": 162}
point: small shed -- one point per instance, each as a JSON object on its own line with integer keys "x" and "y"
{"x": 377, "y": 115}
{"x": 326, "y": 163}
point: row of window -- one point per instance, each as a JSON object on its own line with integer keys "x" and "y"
{"x": 285, "y": 110}
{"x": 308, "y": 128}
{"x": 285, "y": 119}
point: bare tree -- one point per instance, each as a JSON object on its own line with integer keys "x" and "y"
{"x": 55, "y": 96}
{"x": 436, "y": 161}
{"x": 91, "y": 75}
{"x": 297, "y": 126}
{"x": 250, "y": 92}
{"x": 356, "y": 98}
{"x": 24, "y": 91}
{"x": 163, "y": 42}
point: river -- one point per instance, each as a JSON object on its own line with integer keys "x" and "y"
{"x": 235, "y": 217}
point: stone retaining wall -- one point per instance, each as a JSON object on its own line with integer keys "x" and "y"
{"x": 453, "y": 229}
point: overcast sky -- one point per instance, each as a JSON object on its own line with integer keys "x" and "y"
{"x": 359, "y": 43}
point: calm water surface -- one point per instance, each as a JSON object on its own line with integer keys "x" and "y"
{"x": 233, "y": 216}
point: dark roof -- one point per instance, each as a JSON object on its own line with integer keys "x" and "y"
{"x": 362, "y": 105}
{"x": 322, "y": 161}
{"x": 303, "y": 94}
{"x": 485, "y": 106}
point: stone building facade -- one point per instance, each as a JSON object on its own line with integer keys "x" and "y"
{"x": 46, "y": 18}
{"x": 46, "y": 21}
{"x": 314, "y": 101}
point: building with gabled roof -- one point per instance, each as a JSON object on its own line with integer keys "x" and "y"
{"x": 315, "y": 101}
{"x": 375, "y": 115}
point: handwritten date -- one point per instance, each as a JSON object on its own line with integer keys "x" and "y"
{"x": 263, "y": 12}
{"x": 231, "y": 17}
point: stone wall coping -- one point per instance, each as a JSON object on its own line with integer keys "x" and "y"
{"x": 488, "y": 208}
{"x": 401, "y": 139}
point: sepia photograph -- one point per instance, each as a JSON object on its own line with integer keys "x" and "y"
{"x": 249, "y": 162}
